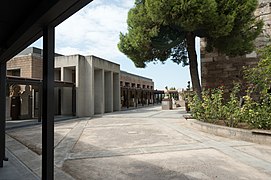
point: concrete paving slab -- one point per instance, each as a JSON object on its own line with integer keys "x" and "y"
{"x": 129, "y": 136}
{"x": 145, "y": 143}
{"x": 259, "y": 151}
{"x": 31, "y": 136}
{"x": 195, "y": 164}
{"x": 14, "y": 169}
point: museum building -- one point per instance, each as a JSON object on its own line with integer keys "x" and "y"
{"x": 84, "y": 86}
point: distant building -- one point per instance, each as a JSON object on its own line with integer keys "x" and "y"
{"x": 85, "y": 85}
{"x": 135, "y": 90}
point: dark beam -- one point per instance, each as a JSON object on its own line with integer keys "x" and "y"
{"x": 51, "y": 12}
{"x": 22, "y": 80}
{"x": 34, "y": 81}
{"x": 2, "y": 111}
{"x": 48, "y": 103}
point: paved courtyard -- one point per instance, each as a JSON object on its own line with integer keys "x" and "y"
{"x": 145, "y": 143}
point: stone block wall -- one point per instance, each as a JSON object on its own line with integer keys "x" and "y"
{"x": 30, "y": 66}
{"x": 23, "y": 63}
{"x": 218, "y": 69}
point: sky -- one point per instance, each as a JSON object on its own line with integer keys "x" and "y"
{"x": 95, "y": 29}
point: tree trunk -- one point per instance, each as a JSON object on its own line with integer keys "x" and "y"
{"x": 193, "y": 64}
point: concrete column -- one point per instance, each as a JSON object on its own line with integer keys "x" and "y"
{"x": 87, "y": 85}
{"x": 98, "y": 91}
{"x": 66, "y": 97}
{"x": 116, "y": 92}
{"x": 108, "y": 91}
{"x": 62, "y": 73}
{"x": 26, "y": 103}
{"x": 8, "y": 100}
{"x": 33, "y": 102}
{"x": 83, "y": 85}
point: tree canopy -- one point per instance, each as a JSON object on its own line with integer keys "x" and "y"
{"x": 162, "y": 29}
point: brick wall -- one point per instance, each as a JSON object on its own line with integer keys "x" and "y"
{"x": 30, "y": 65}
{"x": 23, "y": 63}
{"x": 217, "y": 70}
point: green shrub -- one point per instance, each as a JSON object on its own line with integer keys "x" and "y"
{"x": 256, "y": 109}
{"x": 212, "y": 108}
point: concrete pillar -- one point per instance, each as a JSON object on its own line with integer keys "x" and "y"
{"x": 26, "y": 103}
{"x": 8, "y": 100}
{"x": 66, "y": 97}
{"x": 33, "y": 102}
{"x": 116, "y": 92}
{"x": 108, "y": 91}
{"x": 98, "y": 91}
{"x": 62, "y": 73}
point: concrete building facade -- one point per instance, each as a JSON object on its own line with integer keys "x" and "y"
{"x": 135, "y": 90}
{"x": 100, "y": 86}
{"x": 96, "y": 81}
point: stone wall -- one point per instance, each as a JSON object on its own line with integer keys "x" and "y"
{"x": 23, "y": 63}
{"x": 30, "y": 66}
{"x": 218, "y": 69}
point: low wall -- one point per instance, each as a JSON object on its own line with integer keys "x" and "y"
{"x": 255, "y": 136}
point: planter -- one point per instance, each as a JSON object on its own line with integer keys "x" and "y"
{"x": 254, "y": 135}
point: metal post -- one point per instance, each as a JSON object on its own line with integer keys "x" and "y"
{"x": 3, "y": 69}
{"x": 47, "y": 104}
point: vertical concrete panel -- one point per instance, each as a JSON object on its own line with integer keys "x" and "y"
{"x": 116, "y": 92}
{"x": 92, "y": 95}
{"x": 66, "y": 99}
{"x": 108, "y": 91}
{"x": 98, "y": 91}
{"x": 88, "y": 83}
{"x": 80, "y": 87}
{"x": 62, "y": 73}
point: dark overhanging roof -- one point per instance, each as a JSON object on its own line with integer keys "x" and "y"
{"x": 22, "y": 22}
{"x": 35, "y": 81}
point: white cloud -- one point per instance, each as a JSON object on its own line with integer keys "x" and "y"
{"x": 69, "y": 51}
{"x": 95, "y": 29}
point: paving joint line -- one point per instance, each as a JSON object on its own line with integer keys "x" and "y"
{"x": 67, "y": 143}
{"x": 228, "y": 150}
